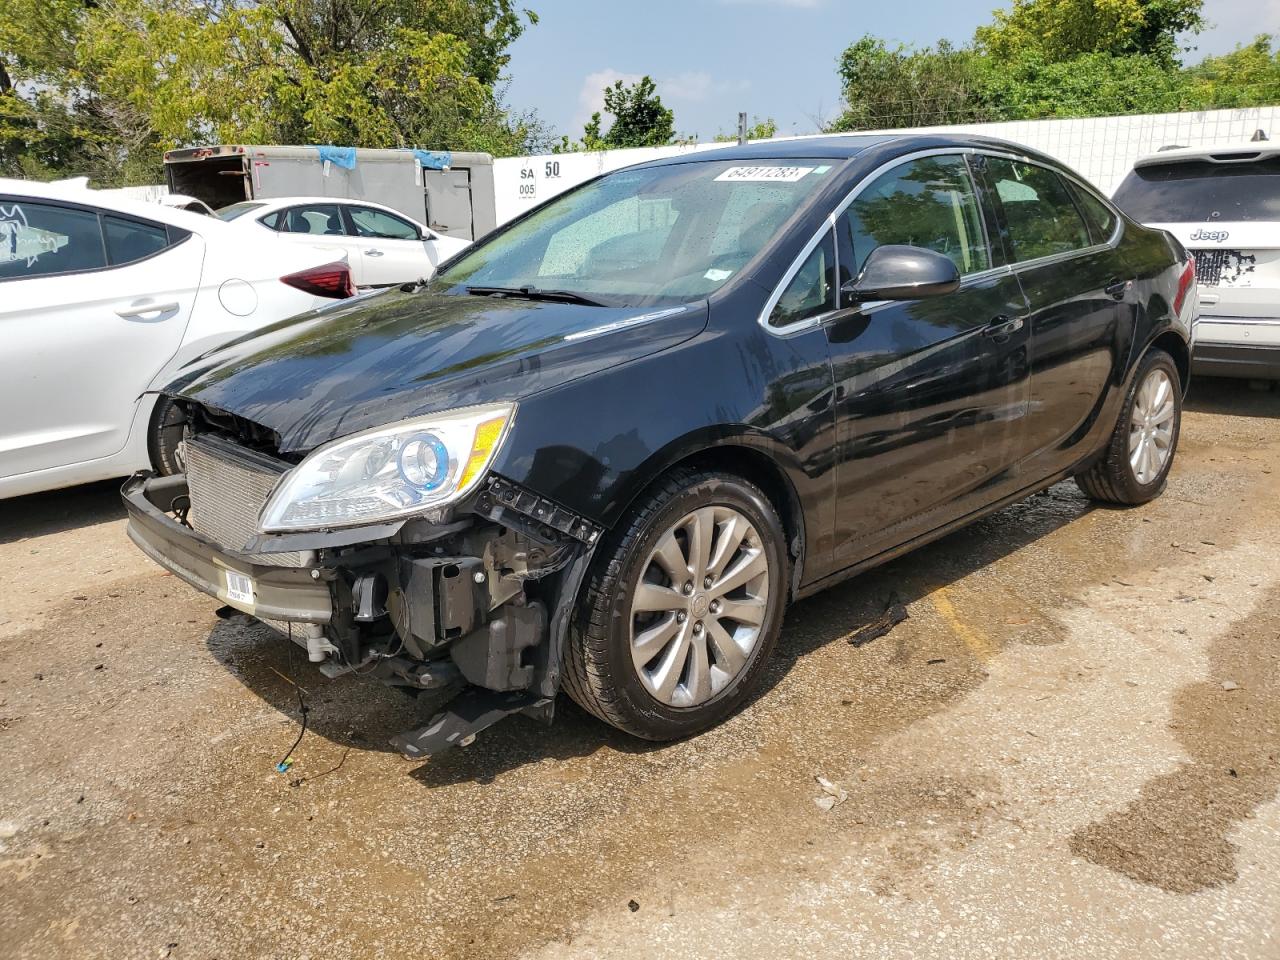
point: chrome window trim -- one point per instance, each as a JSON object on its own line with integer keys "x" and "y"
{"x": 829, "y": 223}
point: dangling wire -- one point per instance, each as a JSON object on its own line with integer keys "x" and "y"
{"x": 286, "y": 761}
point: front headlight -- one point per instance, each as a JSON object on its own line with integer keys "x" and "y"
{"x": 390, "y": 472}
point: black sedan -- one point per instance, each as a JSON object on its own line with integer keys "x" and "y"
{"x": 605, "y": 447}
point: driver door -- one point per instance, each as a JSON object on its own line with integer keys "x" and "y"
{"x": 930, "y": 394}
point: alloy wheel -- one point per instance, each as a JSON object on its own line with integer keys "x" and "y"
{"x": 699, "y": 607}
{"x": 1151, "y": 426}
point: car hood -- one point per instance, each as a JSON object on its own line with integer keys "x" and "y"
{"x": 395, "y": 355}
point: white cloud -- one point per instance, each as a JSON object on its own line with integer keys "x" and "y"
{"x": 1235, "y": 21}
{"x": 692, "y": 86}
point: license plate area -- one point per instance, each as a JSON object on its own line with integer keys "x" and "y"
{"x": 239, "y": 588}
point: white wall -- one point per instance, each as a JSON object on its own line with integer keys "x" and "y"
{"x": 1101, "y": 148}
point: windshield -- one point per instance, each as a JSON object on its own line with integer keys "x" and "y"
{"x": 657, "y": 235}
{"x": 1201, "y": 191}
{"x": 237, "y": 210}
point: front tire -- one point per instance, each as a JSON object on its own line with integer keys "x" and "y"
{"x": 168, "y": 426}
{"x": 682, "y": 608}
{"x": 1139, "y": 455}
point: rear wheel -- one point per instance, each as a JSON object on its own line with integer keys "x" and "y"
{"x": 1140, "y": 453}
{"x": 168, "y": 424}
{"x": 682, "y": 609}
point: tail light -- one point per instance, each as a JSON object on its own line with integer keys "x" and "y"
{"x": 1185, "y": 282}
{"x": 329, "y": 280}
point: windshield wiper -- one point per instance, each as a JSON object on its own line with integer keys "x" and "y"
{"x": 536, "y": 293}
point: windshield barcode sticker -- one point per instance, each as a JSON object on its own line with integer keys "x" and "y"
{"x": 771, "y": 174}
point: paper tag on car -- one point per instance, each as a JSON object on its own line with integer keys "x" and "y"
{"x": 770, "y": 174}
{"x": 716, "y": 275}
{"x": 239, "y": 587}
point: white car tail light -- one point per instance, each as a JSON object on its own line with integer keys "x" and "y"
{"x": 329, "y": 280}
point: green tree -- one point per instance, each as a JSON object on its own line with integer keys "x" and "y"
{"x": 639, "y": 118}
{"x": 904, "y": 87}
{"x": 1247, "y": 76}
{"x": 758, "y": 129}
{"x": 123, "y": 80}
{"x": 1060, "y": 30}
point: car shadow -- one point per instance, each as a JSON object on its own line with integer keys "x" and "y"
{"x": 363, "y": 714}
{"x": 41, "y": 514}
{"x": 1230, "y": 397}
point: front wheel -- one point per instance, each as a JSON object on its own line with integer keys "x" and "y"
{"x": 1136, "y": 463}
{"x": 683, "y": 607}
{"x": 168, "y": 425}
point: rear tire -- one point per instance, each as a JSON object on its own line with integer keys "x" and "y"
{"x": 663, "y": 655}
{"x": 168, "y": 426}
{"x": 1140, "y": 453}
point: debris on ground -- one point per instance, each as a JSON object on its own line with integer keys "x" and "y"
{"x": 1230, "y": 685}
{"x": 893, "y": 615}
{"x": 834, "y": 794}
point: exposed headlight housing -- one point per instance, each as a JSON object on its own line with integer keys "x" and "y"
{"x": 391, "y": 472}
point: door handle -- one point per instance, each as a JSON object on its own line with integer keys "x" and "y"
{"x": 140, "y": 311}
{"x": 373, "y": 253}
{"x": 1117, "y": 289}
{"x": 1003, "y": 326}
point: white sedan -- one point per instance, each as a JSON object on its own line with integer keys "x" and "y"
{"x": 101, "y": 300}
{"x": 383, "y": 246}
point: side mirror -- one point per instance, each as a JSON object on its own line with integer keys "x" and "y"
{"x": 899, "y": 272}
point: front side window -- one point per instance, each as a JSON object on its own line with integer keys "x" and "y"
{"x": 318, "y": 219}
{"x": 666, "y": 234}
{"x": 381, "y": 225}
{"x": 130, "y": 240}
{"x": 38, "y": 239}
{"x": 1042, "y": 218}
{"x": 928, "y": 203}
{"x": 811, "y": 290}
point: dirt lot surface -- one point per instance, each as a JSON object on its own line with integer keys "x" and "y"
{"x": 1070, "y": 749}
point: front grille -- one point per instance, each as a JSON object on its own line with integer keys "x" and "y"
{"x": 228, "y": 486}
{"x": 1216, "y": 268}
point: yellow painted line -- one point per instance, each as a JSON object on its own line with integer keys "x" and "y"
{"x": 975, "y": 640}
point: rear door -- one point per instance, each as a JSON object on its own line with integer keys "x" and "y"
{"x": 323, "y": 226}
{"x": 449, "y": 202}
{"x": 92, "y": 306}
{"x": 930, "y": 394}
{"x": 1083, "y": 307}
{"x": 393, "y": 249}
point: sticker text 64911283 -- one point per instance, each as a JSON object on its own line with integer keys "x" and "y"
{"x": 771, "y": 174}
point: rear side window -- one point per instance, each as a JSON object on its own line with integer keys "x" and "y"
{"x": 38, "y": 239}
{"x": 928, "y": 203}
{"x": 1101, "y": 220}
{"x": 1201, "y": 191}
{"x": 811, "y": 291}
{"x": 130, "y": 240}
{"x": 1042, "y": 217}
{"x": 235, "y": 210}
{"x": 320, "y": 219}
{"x": 380, "y": 225}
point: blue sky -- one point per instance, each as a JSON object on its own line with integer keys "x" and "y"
{"x": 712, "y": 58}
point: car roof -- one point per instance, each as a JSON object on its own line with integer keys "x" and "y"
{"x": 1244, "y": 152}
{"x": 77, "y": 192}
{"x": 850, "y": 145}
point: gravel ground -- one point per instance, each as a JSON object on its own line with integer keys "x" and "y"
{"x": 1071, "y": 748}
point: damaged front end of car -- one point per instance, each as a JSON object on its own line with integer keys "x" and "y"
{"x": 424, "y": 569}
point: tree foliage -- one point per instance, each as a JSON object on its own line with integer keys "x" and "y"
{"x": 105, "y": 86}
{"x": 1054, "y": 58}
{"x": 639, "y": 120}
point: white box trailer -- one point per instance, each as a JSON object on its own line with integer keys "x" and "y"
{"x": 450, "y": 192}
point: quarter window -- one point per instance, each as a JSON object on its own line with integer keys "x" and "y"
{"x": 928, "y": 203}
{"x": 381, "y": 225}
{"x": 318, "y": 219}
{"x": 39, "y": 239}
{"x": 1042, "y": 218}
{"x": 810, "y": 291}
{"x": 130, "y": 240}
{"x": 1101, "y": 219}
